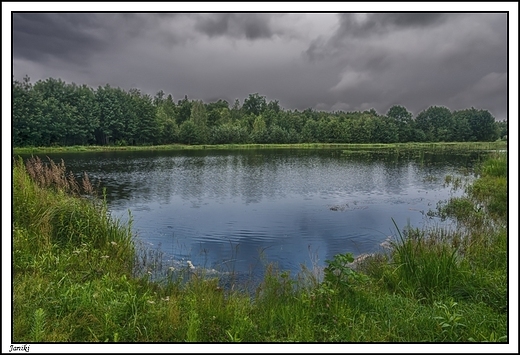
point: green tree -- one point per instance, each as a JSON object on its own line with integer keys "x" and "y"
{"x": 184, "y": 110}
{"x": 254, "y": 104}
{"x": 236, "y": 111}
{"x": 322, "y": 130}
{"x": 158, "y": 99}
{"x": 198, "y": 114}
{"x": 260, "y": 134}
{"x": 385, "y": 130}
{"x": 332, "y": 130}
{"x": 225, "y": 116}
{"x": 200, "y": 118}
{"x": 88, "y": 112}
{"x": 26, "y": 116}
{"x": 166, "y": 126}
{"x": 188, "y": 133}
{"x": 436, "y": 123}
{"x": 274, "y": 105}
{"x": 403, "y": 120}
{"x": 308, "y": 134}
{"x": 461, "y": 128}
{"x": 278, "y": 135}
{"x": 166, "y": 121}
{"x": 67, "y": 114}
{"x": 214, "y": 111}
{"x": 228, "y": 133}
{"x": 143, "y": 113}
{"x": 502, "y": 129}
{"x": 483, "y": 125}
{"x": 56, "y": 112}
{"x": 475, "y": 125}
{"x": 361, "y": 127}
{"x": 111, "y": 121}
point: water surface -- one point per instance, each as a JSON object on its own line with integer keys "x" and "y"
{"x": 239, "y": 210}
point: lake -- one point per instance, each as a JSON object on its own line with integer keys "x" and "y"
{"x": 237, "y": 210}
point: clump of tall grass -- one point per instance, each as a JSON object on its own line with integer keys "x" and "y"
{"x": 52, "y": 175}
{"x": 488, "y": 193}
{"x": 426, "y": 266}
{"x": 49, "y": 206}
{"x": 496, "y": 166}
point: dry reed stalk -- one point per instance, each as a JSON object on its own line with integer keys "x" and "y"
{"x": 55, "y": 176}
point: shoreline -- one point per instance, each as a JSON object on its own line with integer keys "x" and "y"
{"x": 347, "y": 146}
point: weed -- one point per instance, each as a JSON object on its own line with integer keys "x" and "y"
{"x": 339, "y": 275}
{"x": 449, "y": 322}
{"x": 38, "y": 326}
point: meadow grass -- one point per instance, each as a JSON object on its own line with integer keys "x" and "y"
{"x": 347, "y": 146}
{"x": 77, "y": 278}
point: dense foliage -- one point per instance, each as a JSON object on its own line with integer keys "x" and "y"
{"x": 54, "y": 113}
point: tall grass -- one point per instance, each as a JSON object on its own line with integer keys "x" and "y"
{"x": 75, "y": 280}
{"x": 348, "y": 146}
{"x": 62, "y": 243}
{"x": 425, "y": 266}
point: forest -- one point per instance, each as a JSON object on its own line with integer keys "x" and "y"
{"x": 52, "y": 112}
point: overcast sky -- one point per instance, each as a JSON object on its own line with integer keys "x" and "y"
{"x": 325, "y": 61}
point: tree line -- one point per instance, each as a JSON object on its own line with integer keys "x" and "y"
{"x": 53, "y": 112}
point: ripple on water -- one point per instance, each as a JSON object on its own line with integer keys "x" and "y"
{"x": 214, "y": 204}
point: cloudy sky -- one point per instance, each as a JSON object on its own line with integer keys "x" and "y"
{"x": 325, "y": 61}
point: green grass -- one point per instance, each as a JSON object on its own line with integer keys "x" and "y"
{"x": 77, "y": 279}
{"x": 435, "y": 146}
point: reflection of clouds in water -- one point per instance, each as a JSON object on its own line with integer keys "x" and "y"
{"x": 242, "y": 209}
{"x": 219, "y": 177}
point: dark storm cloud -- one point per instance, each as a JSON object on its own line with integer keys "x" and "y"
{"x": 38, "y": 36}
{"x": 369, "y": 24}
{"x": 416, "y": 60}
{"x": 361, "y": 25}
{"x": 250, "y": 26}
{"x": 78, "y": 36}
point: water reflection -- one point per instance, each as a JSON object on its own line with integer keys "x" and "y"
{"x": 241, "y": 209}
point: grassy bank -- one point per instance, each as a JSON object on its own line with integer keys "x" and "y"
{"x": 76, "y": 278}
{"x": 434, "y": 146}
